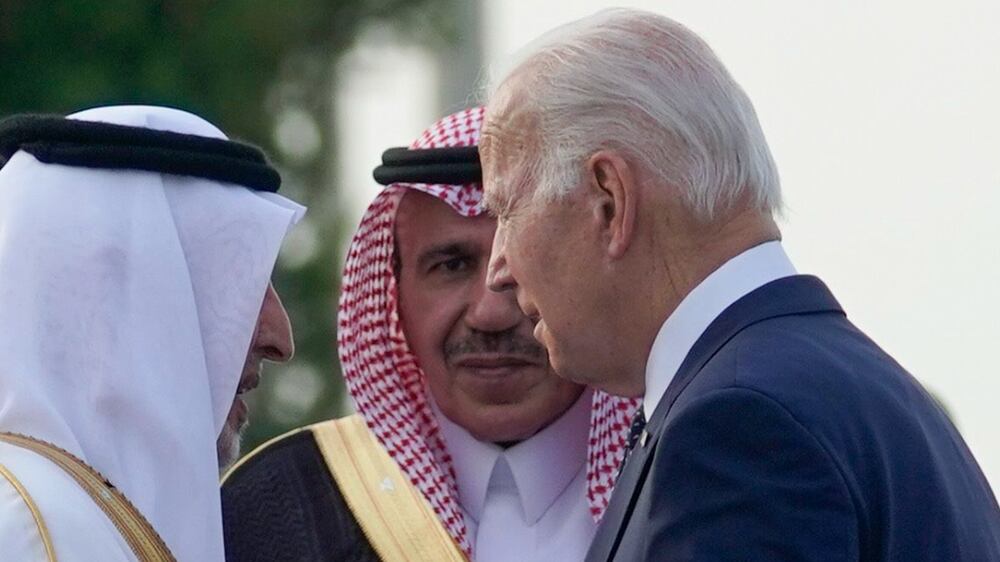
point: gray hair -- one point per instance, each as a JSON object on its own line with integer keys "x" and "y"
{"x": 645, "y": 85}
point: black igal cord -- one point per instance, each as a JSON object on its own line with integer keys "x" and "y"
{"x": 53, "y": 139}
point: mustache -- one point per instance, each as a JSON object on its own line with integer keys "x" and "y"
{"x": 508, "y": 342}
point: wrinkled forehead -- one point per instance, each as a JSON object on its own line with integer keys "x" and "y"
{"x": 509, "y": 144}
{"x": 511, "y": 118}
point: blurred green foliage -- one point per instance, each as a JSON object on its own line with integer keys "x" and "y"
{"x": 242, "y": 64}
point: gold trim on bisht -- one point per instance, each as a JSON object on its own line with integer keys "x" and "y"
{"x": 397, "y": 520}
{"x": 144, "y": 541}
{"x": 43, "y": 531}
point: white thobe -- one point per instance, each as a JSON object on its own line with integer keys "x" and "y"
{"x": 526, "y": 503}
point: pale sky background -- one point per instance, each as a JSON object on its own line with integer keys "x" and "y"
{"x": 884, "y": 119}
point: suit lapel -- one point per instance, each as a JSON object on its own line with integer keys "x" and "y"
{"x": 799, "y": 294}
{"x": 619, "y": 510}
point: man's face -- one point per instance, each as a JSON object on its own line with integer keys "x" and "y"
{"x": 549, "y": 255}
{"x": 272, "y": 341}
{"x": 540, "y": 254}
{"x": 484, "y": 370}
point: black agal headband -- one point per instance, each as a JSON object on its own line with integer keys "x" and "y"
{"x": 452, "y": 166}
{"x": 53, "y": 139}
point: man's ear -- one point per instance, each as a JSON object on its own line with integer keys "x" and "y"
{"x": 615, "y": 199}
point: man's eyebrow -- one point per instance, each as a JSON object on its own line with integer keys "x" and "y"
{"x": 443, "y": 250}
{"x": 497, "y": 200}
{"x": 500, "y": 204}
{"x": 492, "y": 202}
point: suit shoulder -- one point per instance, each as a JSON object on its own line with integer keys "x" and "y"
{"x": 831, "y": 378}
{"x": 800, "y": 359}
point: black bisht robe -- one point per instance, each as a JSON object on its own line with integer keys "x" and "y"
{"x": 282, "y": 504}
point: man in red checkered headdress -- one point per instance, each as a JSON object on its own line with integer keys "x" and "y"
{"x": 465, "y": 444}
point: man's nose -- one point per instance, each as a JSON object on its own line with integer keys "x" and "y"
{"x": 492, "y": 311}
{"x": 498, "y": 277}
{"x": 274, "y": 332}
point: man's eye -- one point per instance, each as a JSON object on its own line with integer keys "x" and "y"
{"x": 453, "y": 265}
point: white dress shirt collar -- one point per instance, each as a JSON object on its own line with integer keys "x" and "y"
{"x": 542, "y": 466}
{"x": 735, "y": 279}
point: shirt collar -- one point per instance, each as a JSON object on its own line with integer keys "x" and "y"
{"x": 735, "y": 279}
{"x": 542, "y": 465}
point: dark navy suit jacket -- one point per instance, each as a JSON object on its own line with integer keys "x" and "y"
{"x": 787, "y": 434}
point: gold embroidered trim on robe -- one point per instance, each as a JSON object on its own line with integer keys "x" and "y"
{"x": 397, "y": 520}
{"x": 144, "y": 541}
{"x": 43, "y": 531}
{"x": 393, "y": 515}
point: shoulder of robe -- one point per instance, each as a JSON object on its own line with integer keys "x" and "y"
{"x": 23, "y": 533}
{"x": 275, "y": 446}
{"x": 42, "y": 505}
{"x": 286, "y": 444}
{"x": 281, "y": 502}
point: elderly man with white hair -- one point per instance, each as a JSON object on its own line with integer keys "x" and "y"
{"x": 635, "y": 196}
{"x": 136, "y": 247}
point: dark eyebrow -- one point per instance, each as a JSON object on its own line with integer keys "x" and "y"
{"x": 445, "y": 250}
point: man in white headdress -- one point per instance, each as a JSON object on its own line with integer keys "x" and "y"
{"x": 136, "y": 246}
{"x": 465, "y": 444}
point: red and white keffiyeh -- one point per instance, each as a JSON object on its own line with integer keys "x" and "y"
{"x": 382, "y": 374}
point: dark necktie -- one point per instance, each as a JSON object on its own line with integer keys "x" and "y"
{"x": 634, "y": 431}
